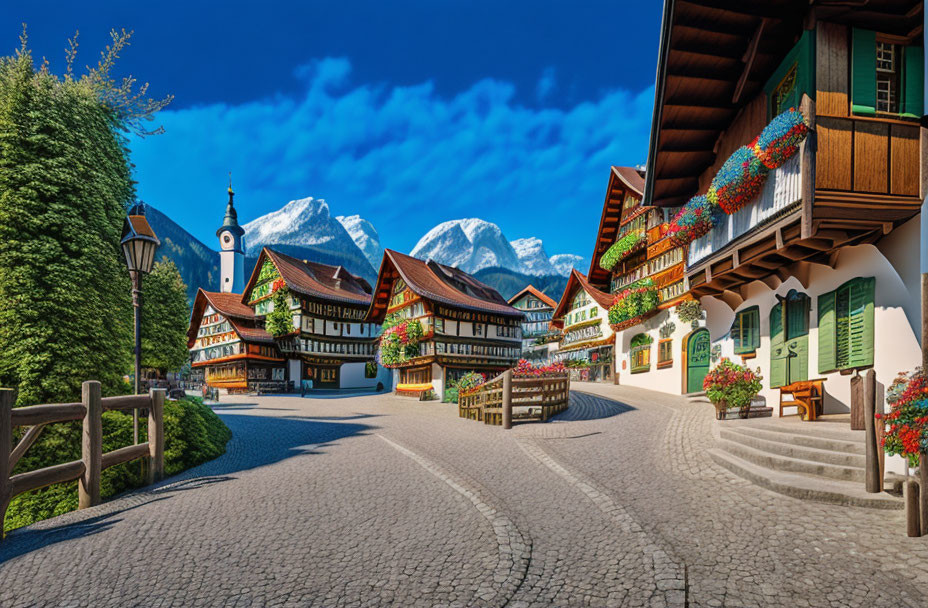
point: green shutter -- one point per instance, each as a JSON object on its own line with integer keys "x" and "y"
{"x": 778, "y": 351}
{"x": 860, "y": 326}
{"x": 755, "y": 328}
{"x": 746, "y": 331}
{"x": 863, "y": 72}
{"x": 799, "y": 362}
{"x": 913, "y": 95}
{"x": 826, "y": 333}
{"x": 736, "y": 333}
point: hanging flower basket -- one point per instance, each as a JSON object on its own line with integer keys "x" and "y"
{"x": 622, "y": 248}
{"x": 631, "y": 304}
{"x": 780, "y": 140}
{"x": 739, "y": 181}
{"x": 697, "y": 218}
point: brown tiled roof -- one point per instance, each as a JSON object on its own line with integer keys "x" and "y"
{"x": 576, "y": 281}
{"x": 313, "y": 279}
{"x": 538, "y": 294}
{"x": 229, "y": 305}
{"x": 622, "y": 181}
{"x": 443, "y": 284}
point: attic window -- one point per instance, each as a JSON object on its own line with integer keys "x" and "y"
{"x": 887, "y": 77}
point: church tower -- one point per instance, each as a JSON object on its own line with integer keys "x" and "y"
{"x": 231, "y": 250}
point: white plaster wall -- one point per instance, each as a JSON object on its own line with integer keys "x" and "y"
{"x": 666, "y": 380}
{"x": 351, "y": 375}
{"x": 896, "y": 310}
{"x": 438, "y": 380}
{"x": 294, "y": 370}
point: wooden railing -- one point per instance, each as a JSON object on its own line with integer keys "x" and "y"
{"x": 87, "y": 471}
{"x": 506, "y": 398}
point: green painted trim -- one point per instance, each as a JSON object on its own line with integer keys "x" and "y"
{"x": 863, "y": 72}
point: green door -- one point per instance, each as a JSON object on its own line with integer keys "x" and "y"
{"x": 697, "y": 359}
{"x": 789, "y": 340}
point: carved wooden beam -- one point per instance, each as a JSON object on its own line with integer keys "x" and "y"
{"x": 802, "y": 271}
{"x": 748, "y": 60}
{"x": 772, "y": 281}
{"x": 732, "y": 299}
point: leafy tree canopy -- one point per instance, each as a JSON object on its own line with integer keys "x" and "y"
{"x": 165, "y": 316}
{"x": 65, "y": 183}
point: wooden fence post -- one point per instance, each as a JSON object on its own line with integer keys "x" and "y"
{"x": 88, "y": 487}
{"x": 156, "y": 436}
{"x": 910, "y": 493}
{"x": 7, "y": 397}
{"x": 873, "y": 481}
{"x": 923, "y": 495}
{"x": 507, "y": 399}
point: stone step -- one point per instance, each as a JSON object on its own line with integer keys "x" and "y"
{"x": 821, "y": 430}
{"x": 749, "y": 438}
{"x": 793, "y": 465}
{"x": 804, "y": 487}
{"x": 806, "y": 441}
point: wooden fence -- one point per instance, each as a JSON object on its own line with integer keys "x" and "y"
{"x": 505, "y": 398}
{"x": 88, "y": 469}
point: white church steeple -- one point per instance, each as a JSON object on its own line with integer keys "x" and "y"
{"x": 231, "y": 249}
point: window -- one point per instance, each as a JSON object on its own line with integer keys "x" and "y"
{"x": 439, "y": 325}
{"x": 665, "y": 353}
{"x": 640, "y": 353}
{"x": 783, "y": 97}
{"x": 594, "y": 312}
{"x": 845, "y": 326}
{"x": 478, "y": 329}
{"x": 745, "y": 331}
{"x": 886, "y": 77}
{"x": 370, "y": 369}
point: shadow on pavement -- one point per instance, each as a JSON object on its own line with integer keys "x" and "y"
{"x": 587, "y": 406}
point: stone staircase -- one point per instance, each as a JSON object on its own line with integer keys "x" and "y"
{"x": 813, "y": 460}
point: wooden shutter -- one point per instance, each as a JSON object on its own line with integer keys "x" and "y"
{"x": 754, "y": 325}
{"x": 826, "y": 332}
{"x": 860, "y": 324}
{"x": 913, "y": 78}
{"x": 736, "y": 333}
{"x": 746, "y": 331}
{"x": 863, "y": 72}
{"x": 777, "y": 347}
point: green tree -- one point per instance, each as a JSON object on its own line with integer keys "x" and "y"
{"x": 65, "y": 182}
{"x": 165, "y": 316}
{"x": 280, "y": 320}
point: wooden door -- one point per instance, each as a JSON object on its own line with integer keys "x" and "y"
{"x": 789, "y": 340}
{"x": 696, "y": 347}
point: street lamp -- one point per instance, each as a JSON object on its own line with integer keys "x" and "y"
{"x": 138, "y": 244}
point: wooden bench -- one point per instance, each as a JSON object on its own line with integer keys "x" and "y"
{"x": 807, "y": 396}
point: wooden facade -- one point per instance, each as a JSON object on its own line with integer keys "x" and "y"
{"x": 466, "y": 325}
{"x": 855, "y": 73}
{"x": 328, "y": 305}
{"x": 228, "y": 343}
{"x": 588, "y": 343}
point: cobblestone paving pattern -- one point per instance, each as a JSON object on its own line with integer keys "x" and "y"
{"x": 373, "y": 500}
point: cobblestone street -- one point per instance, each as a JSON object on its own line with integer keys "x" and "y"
{"x": 374, "y": 500}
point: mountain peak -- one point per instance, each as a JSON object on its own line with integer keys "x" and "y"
{"x": 365, "y": 236}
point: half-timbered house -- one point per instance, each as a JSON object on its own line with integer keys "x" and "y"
{"x": 229, "y": 346}
{"x": 329, "y": 345}
{"x": 440, "y": 323}
{"x": 587, "y": 346}
{"x": 633, "y": 252}
{"x": 539, "y": 338}
{"x": 817, "y": 275}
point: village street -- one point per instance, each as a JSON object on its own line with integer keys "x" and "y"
{"x": 376, "y": 500}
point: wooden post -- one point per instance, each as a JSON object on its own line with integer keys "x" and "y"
{"x": 156, "y": 436}
{"x": 873, "y": 459}
{"x": 507, "y": 399}
{"x": 923, "y": 496}
{"x": 910, "y": 493}
{"x": 88, "y": 487}
{"x": 7, "y": 397}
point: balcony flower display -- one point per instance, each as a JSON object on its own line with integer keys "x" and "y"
{"x": 780, "y": 140}
{"x": 621, "y": 248}
{"x": 636, "y": 300}
{"x": 906, "y": 424}
{"x": 729, "y": 385}
{"x": 738, "y": 182}
{"x": 399, "y": 341}
{"x": 697, "y": 218}
{"x": 525, "y": 369}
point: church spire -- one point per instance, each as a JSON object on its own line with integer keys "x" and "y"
{"x": 230, "y": 221}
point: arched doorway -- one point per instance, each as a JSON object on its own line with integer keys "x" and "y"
{"x": 696, "y": 349}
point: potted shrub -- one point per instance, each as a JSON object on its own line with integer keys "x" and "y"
{"x": 730, "y": 385}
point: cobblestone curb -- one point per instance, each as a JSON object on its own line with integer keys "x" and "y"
{"x": 669, "y": 576}
{"x": 515, "y": 549}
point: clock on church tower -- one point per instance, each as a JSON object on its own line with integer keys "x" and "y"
{"x": 231, "y": 250}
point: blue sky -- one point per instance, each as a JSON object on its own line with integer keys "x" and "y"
{"x": 407, "y": 113}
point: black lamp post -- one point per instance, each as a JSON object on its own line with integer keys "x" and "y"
{"x": 138, "y": 244}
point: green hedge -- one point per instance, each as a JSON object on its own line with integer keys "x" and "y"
{"x": 193, "y": 434}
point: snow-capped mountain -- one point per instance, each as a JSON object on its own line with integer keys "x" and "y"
{"x": 563, "y": 263}
{"x": 532, "y": 255}
{"x": 305, "y": 228}
{"x": 365, "y": 237}
{"x": 474, "y": 244}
